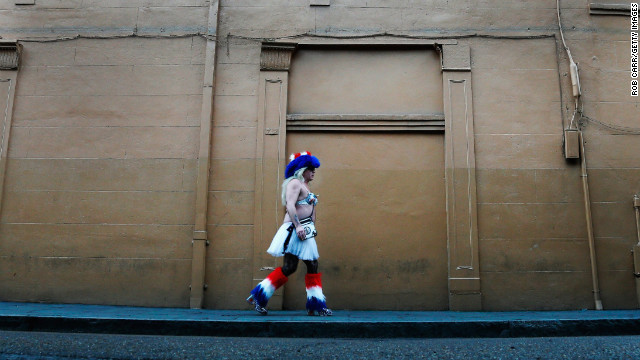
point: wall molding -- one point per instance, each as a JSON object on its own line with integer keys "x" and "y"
{"x": 456, "y": 122}
{"x": 366, "y": 122}
{"x": 320, "y": 2}
{"x": 610, "y": 9}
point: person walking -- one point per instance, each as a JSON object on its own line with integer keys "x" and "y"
{"x": 295, "y": 239}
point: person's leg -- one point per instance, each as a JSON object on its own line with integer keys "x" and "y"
{"x": 312, "y": 266}
{"x": 289, "y": 264}
{"x": 316, "y": 301}
{"x": 261, "y": 294}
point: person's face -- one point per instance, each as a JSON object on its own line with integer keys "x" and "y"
{"x": 309, "y": 174}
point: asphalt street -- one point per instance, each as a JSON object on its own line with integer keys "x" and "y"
{"x": 16, "y": 345}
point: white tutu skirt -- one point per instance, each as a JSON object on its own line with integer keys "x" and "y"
{"x": 304, "y": 249}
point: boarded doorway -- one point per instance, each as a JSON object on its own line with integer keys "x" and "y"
{"x": 374, "y": 117}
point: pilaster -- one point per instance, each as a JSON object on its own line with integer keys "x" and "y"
{"x": 275, "y": 61}
{"x": 10, "y": 52}
{"x": 462, "y": 226}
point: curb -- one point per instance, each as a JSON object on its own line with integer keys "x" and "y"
{"x": 328, "y": 328}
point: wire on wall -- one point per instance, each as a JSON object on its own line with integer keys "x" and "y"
{"x": 573, "y": 69}
{"x": 295, "y": 36}
{"x": 614, "y": 128}
{"x": 578, "y": 108}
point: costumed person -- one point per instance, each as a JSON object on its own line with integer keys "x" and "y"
{"x": 295, "y": 240}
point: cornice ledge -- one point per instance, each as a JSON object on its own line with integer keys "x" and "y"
{"x": 276, "y": 56}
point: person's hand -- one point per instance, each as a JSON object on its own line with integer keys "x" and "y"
{"x": 300, "y": 232}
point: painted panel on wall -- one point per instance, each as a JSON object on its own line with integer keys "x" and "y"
{"x": 381, "y": 221}
{"x": 365, "y": 81}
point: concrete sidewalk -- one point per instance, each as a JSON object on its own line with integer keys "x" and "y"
{"x": 344, "y": 324}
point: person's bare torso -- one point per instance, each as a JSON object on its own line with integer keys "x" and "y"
{"x": 302, "y": 210}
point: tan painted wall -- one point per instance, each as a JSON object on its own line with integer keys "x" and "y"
{"x": 98, "y": 204}
{"x": 382, "y": 229}
{"x": 98, "y": 201}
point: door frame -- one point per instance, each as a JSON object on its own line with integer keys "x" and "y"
{"x": 457, "y": 124}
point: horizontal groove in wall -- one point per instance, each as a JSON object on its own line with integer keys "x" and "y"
{"x": 365, "y": 122}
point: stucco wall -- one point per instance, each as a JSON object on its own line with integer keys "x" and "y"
{"x": 99, "y": 192}
{"x": 99, "y": 195}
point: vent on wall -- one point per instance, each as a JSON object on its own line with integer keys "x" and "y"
{"x": 9, "y": 55}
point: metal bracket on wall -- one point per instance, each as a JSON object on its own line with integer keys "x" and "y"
{"x": 571, "y": 144}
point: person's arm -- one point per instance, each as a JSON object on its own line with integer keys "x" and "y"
{"x": 293, "y": 193}
{"x": 313, "y": 215}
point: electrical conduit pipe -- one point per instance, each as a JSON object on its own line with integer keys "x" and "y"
{"x": 587, "y": 211}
